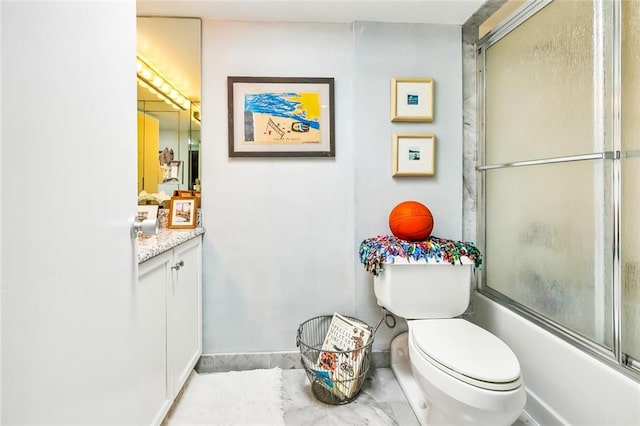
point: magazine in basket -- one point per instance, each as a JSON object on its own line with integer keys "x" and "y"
{"x": 342, "y": 359}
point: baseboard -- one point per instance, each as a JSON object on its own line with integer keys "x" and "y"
{"x": 541, "y": 413}
{"x": 213, "y": 363}
{"x": 526, "y": 420}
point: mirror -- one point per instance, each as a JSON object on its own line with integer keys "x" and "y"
{"x": 168, "y": 52}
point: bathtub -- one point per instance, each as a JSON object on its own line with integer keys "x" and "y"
{"x": 564, "y": 384}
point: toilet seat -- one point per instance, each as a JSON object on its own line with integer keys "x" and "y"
{"x": 466, "y": 352}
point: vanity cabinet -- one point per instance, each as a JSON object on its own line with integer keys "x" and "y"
{"x": 169, "y": 309}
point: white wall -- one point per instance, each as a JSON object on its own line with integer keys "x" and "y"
{"x": 283, "y": 233}
{"x": 68, "y": 193}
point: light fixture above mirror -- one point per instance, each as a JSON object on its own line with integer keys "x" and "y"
{"x": 157, "y": 84}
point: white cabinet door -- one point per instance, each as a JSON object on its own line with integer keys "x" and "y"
{"x": 169, "y": 326}
{"x": 185, "y": 312}
{"x": 151, "y": 301}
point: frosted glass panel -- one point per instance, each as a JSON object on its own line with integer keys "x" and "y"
{"x": 630, "y": 230}
{"x": 539, "y": 90}
{"x": 547, "y": 245}
{"x": 630, "y": 226}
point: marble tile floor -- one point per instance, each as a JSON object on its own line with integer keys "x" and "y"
{"x": 380, "y": 403}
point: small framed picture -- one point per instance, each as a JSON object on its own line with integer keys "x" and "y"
{"x": 147, "y": 211}
{"x": 198, "y": 197}
{"x": 414, "y": 155}
{"x": 412, "y": 99}
{"x": 183, "y": 212}
{"x": 189, "y": 193}
{"x": 172, "y": 172}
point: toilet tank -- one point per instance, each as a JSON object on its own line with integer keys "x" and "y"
{"x": 423, "y": 290}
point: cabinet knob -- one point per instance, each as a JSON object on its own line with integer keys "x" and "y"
{"x": 178, "y": 265}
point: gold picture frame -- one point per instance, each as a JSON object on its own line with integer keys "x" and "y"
{"x": 414, "y": 154}
{"x": 412, "y": 99}
{"x": 189, "y": 193}
{"x": 183, "y": 212}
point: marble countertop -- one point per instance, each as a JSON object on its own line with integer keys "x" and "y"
{"x": 166, "y": 239}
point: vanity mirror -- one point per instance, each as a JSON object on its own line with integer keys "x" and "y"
{"x": 168, "y": 51}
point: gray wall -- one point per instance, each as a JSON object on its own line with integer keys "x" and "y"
{"x": 283, "y": 234}
{"x": 384, "y": 51}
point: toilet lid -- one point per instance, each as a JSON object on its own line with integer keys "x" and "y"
{"x": 467, "y": 352}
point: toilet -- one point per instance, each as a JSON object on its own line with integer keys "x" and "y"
{"x": 451, "y": 371}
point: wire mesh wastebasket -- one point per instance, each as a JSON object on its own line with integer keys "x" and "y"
{"x": 336, "y": 376}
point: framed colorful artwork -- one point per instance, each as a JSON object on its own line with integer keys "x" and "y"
{"x": 281, "y": 117}
{"x": 414, "y": 155}
{"x": 412, "y": 99}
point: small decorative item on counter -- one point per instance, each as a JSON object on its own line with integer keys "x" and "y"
{"x": 146, "y": 211}
{"x": 381, "y": 249}
{"x": 163, "y": 218}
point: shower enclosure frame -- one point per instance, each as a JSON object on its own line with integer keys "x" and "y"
{"x": 614, "y": 356}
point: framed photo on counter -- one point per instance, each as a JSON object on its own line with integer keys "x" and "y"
{"x": 183, "y": 212}
{"x": 147, "y": 211}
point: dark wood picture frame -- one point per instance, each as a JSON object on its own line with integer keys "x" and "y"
{"x": 281, "y": 116}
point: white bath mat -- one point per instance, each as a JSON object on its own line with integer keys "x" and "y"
{"x": 252, "y": 397}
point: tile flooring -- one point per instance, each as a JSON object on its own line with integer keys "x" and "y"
{"x": 380, "y": 403}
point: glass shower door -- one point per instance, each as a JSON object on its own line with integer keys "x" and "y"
{"x": 547, "y": 203}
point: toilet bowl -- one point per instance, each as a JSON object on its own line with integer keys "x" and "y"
{"x": 452, "y": 371}
{"x": 465, "y": 374}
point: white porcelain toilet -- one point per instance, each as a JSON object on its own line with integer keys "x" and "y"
{"x": 451, "y": 371}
